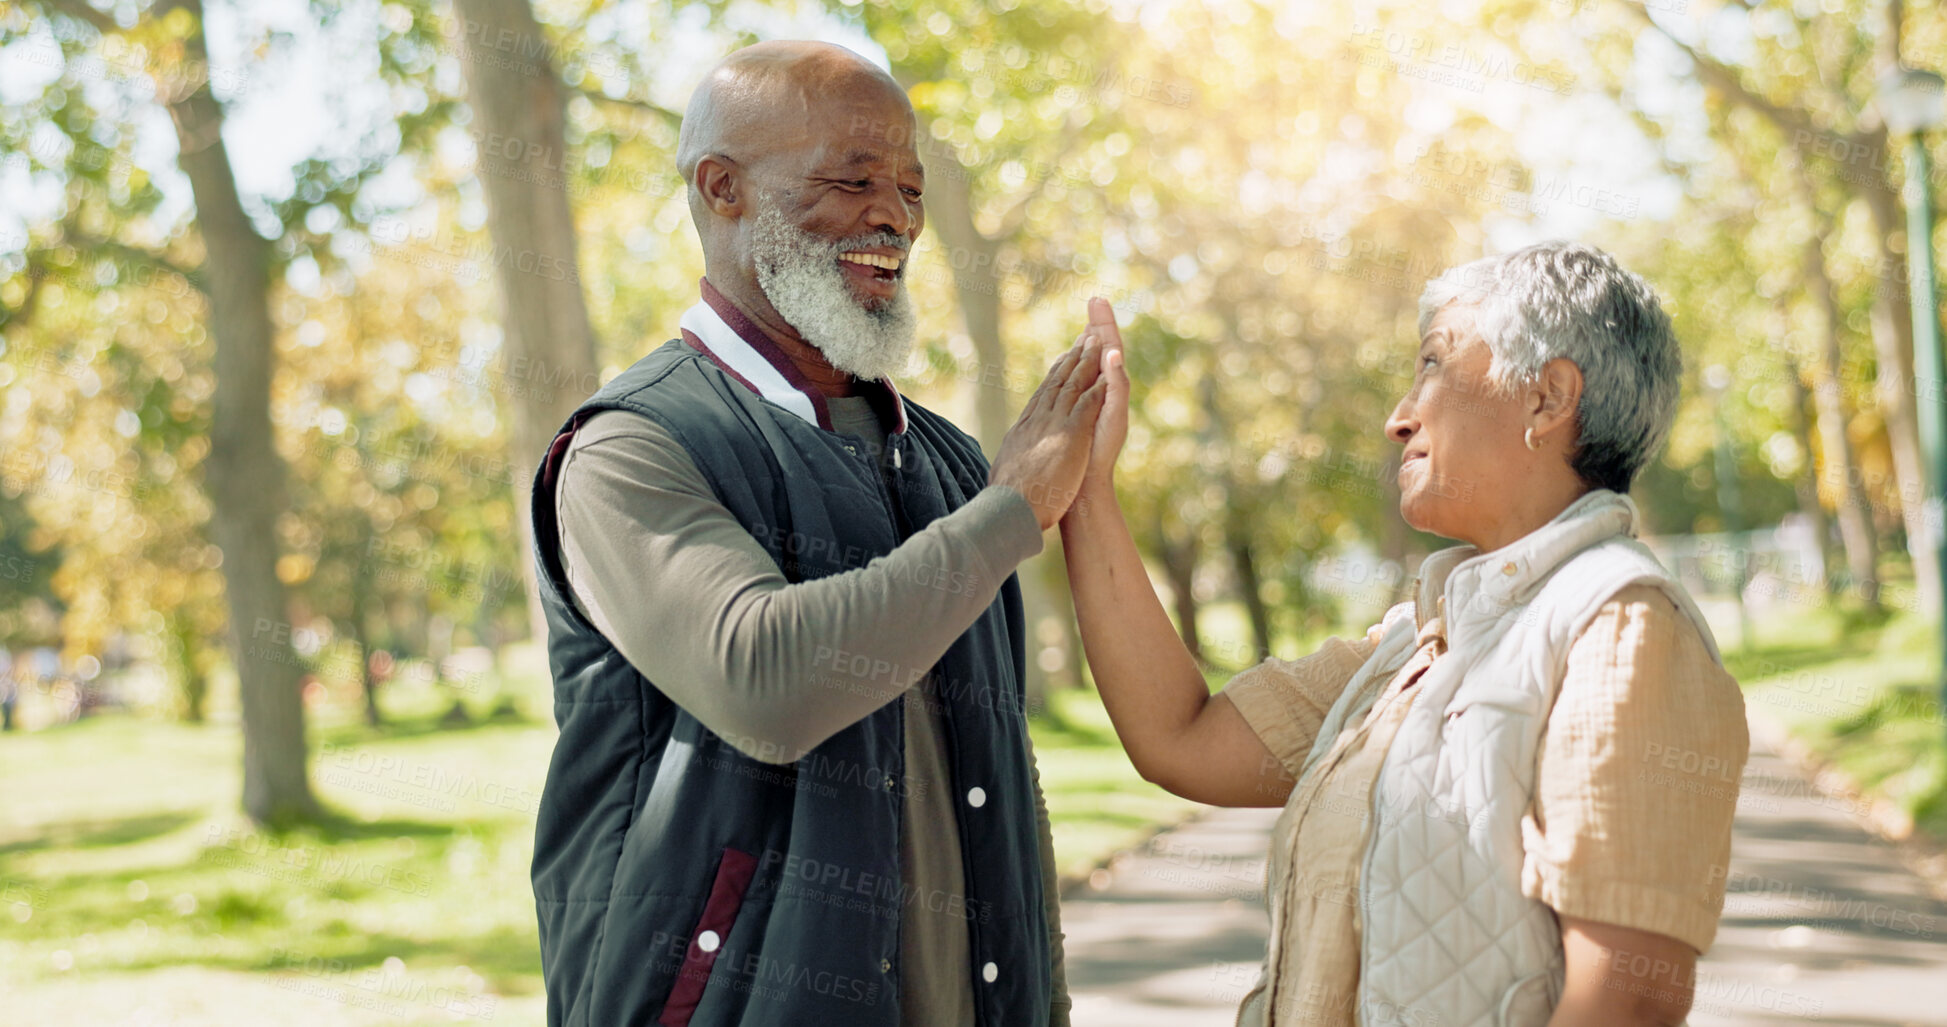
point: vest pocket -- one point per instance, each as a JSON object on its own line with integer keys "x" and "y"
{"x": 734, "y": 873}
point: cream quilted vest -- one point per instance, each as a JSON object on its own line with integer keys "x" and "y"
{"x": 1447, "y": 936}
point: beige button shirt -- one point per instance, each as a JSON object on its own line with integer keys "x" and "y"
{"x": 1614, "y": 834}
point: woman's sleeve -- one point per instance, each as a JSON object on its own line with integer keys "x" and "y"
{"x": 1285, "y": 701}
{"x": 1638, "y": 778}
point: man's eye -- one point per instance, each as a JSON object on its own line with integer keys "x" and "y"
{"x": 859, "y": 183}
{"x": 1427, "y": 359}
{"x": 912, "y": 193}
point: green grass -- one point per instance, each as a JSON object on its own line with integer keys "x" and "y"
{"x": 1097, "y": 803}
{"x": 1861, "y": 693}
{"x": 133, "y": 892}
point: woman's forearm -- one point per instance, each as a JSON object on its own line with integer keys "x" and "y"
{"x": 1149, "y": 682}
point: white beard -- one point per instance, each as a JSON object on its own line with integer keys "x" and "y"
{"x": 799, "y": 274}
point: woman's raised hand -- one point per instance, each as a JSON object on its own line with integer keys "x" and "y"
{"x": 1112, "y": 424}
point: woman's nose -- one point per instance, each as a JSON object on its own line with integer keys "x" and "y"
{"x": 1401, "y": 424}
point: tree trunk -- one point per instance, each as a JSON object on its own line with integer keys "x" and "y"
{"x": 1243, "y": 559}
{"x": 1805, "y": 484}
{"x": 192, "y": 686}
{"x": 1180, "y": 564}
{"x": 1892, "y": 321}
{"x": 368, "y": 684}
{"x": 548, "y": 346}
{"x": 971, "y": 257}
{"x": 243, "y": 473}
{"x": 1855, "y": 510}
{"x": 1892, "y": 327}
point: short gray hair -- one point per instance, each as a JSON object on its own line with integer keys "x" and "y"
{"x": 1565, "y": 299}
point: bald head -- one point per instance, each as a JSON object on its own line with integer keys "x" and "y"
{"x": 760, "y": 100}
{"x": 804, "y": 185}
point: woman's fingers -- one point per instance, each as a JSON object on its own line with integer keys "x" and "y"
{"x": 1101, "y": 321}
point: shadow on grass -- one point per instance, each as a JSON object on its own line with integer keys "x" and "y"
{"x": 335, "y": 826}
{"x": 401, "y": 728}
{"x": 1108, "y": 818}
{"x": 1750, "y": 666}
{"x": 1071, "y": 732}
{"x": 509, "y": 959}
{"x": 1905, "y": 701}
{"x": 241, "y": 903}
{"x": 95, "y": 834}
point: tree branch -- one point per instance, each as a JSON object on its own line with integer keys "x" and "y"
{"x": 673, "y": 118}
{"x": 1015, "y": 216}
{"x": 81, "y": 10}
{"x": 132, "y": 254}
{"x": 1716, "y": 73}
{"x": 35, "y": 275}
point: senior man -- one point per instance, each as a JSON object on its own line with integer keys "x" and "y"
{"x": 794, "y": 784}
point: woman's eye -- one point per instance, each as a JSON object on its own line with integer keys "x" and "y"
{"x": 1425, "y": 360}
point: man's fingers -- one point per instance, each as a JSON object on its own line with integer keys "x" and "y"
{"x": 1091, "y": 363}
{"x": 1052, "y": 384}
{"x": 1080, "y": 375}
{"x": 1091, "y": 400}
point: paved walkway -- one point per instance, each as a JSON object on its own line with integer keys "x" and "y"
{"x": 1822, "y": 922}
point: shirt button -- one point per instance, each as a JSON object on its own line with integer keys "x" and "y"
{"x": 989, "y": 972}
{"x": 885, "y": 966}
{"x": 708, "y": 941}
{"x": 977, "y": 797}
{"x": 1508, "y": 568}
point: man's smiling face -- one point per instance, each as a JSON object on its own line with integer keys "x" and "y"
{"x": 805, "y": 185}
{"x": 855, "y": 181}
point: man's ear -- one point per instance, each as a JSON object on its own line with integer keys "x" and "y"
{"x": 1557, "y": 395}
{"x": 720, "y": 182}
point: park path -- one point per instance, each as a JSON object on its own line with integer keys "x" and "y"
{"x": 1823, "y": 923}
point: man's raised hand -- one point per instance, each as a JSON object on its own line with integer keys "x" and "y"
{"x": 1046, "y": 452}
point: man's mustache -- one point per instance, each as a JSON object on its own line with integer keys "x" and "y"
{"x": 873, "y": 240}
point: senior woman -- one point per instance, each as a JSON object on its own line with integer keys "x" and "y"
{"x": 1510, "y": 803}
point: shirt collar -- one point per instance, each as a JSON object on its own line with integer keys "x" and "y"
{"x": 1461, "y": 583}
{"x": 715, "y": 328}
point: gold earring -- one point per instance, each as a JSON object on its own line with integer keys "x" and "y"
{"x": 1529, "y": 438}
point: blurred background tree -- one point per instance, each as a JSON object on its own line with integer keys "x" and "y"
{"x": 271, "y": 424}
{"x": 293, "y": 291}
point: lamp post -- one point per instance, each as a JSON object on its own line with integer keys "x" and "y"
{"x": 1911, "y": 102}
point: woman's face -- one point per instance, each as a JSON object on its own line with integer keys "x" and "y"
{"x": 1464, "y": 461}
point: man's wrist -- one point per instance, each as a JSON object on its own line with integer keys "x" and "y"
{"x": 1013, "y": 522}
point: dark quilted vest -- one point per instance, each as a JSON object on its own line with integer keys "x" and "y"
{"x": 681, "y": 882}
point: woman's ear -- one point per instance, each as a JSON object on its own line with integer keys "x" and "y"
{"x": 1557, "y": 396}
